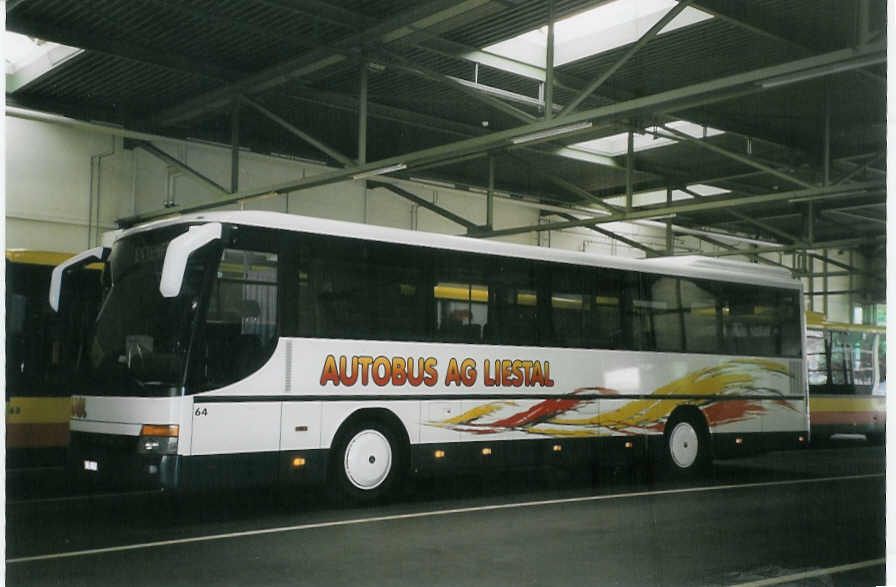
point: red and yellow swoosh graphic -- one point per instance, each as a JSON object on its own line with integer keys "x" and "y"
{"x": 706, "y": 388}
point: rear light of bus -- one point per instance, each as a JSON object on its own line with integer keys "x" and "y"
{"x": 158, "y": 440}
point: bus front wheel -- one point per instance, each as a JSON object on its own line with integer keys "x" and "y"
{"x": 687, "y": 444}
{"x": 367, "y": 462}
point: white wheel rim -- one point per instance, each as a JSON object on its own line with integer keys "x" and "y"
{"x": 368, "y": 459}
{"x": 684, "y": 445}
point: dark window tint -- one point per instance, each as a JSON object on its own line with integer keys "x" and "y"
{"x": 587, "y": 308}
{"x": 701, "y": 315}
{"x": 661, "y": 314}
{"x": 516, "y": 302}
{"x": 461, "y": 299}
{"x": 349, "y": 288}
{"x": 241, "y": 322}
{"x": 571, "y": 306}
{"x": 43, "y": 347}
{"x": 363, "y": 290}
{"x": 760, "y": 321}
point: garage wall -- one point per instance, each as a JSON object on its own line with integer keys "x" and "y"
{"x": 65, "y": 186}
{"x": 49, "y": 184}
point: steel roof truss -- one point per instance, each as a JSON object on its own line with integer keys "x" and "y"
{"x": 685, "y": 97}
{"x": 170, "y": 160}
{"x": 423, "y": 203}
{"x": 316, "y": 143}
{"x": 391, "y": 29}
{"x": 645, "y": 38}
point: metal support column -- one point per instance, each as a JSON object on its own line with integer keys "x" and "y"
{"x": 810, "y": 269}
{"x": 824, "y": 281}
{"x": 490, "y": 197}
{"x": 670, "y": 242}
{"x": 549, "y": 67}
{"x": 827, "y": 133}
{"x": 235, "y": 145}
{"x": 362, "y": 116}
{"x": 629, "y": 163}
{"x": 863, "y": 23}
{"x": 852, "y": 300}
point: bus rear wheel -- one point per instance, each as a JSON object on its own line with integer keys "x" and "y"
{"x": 368, "y": 463}
{"x": 687, "y": 445}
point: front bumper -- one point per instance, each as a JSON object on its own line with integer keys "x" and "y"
{"x": 111, "y": 461}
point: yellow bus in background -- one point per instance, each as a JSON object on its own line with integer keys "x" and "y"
{"x": 847, "y": 378}
{"x": 42, "y": 351}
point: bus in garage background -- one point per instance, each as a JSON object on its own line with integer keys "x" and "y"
{"x": 42, "y": 349}
{"x": 847, "y": 378}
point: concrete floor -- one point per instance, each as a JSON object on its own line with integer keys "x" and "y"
{"x": 801, "y": 516}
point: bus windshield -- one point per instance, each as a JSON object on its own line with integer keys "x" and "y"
{"x": 141, "y": 341}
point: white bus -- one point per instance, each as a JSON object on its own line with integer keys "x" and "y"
{"x": 258, "y": 347}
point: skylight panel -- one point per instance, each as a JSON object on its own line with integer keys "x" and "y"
{"x": 608, "y": 26}
{"x": 18, "y": 49}
{"x": 28, "y": 58}
{"x": 615, "y": 145}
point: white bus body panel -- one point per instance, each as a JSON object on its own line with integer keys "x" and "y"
{"x": 123, "y": 415}
{"x": 623, "y": 393}
{"x": 229, "y": 428}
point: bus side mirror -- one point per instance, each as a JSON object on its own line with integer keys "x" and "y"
{"x": 84, "y": 258}
{"x": 179, "y": 250}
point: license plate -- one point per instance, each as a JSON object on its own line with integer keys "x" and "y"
{"x": 91, "y": 466}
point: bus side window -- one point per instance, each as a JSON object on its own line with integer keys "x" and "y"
{"x": 570, "y": 307}
{"x": 241, "y": 323}
{"x": 659, "y": 314}
{"x": 361, "y": 289}
{"x": 516, "y": 302}
{"x": 841, "y": 362}
{"x": 461, "y": 299}
{"x": 396, "y": 290}
{"x": 701, "y": 317}
{"x": 816, "y": 361}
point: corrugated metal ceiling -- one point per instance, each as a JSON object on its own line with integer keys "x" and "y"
{"x": 146, "y": 58}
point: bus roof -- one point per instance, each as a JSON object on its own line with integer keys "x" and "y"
{"x": 684, "y": 266}
{"x": 30, "y": 257}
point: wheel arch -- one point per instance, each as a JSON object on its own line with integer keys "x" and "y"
{"x": 380, "y": 415}
{"x": 691, "y": 412}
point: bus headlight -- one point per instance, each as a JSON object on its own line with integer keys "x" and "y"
{"x": 158, "y": 440}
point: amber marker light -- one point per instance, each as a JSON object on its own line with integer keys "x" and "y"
{"x": 440, "y": 454}
{"x": 298, "y": 462}
{"x": 152, "y": 430}
{"x": 558, "y": 448}
{"x": 738, "y": 441}
{"x": 629, "y": 445}
{"x": 486, "y": 451}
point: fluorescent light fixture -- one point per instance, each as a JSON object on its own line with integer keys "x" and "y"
{"x": 551, "y": 132}
{"x": 434, "y": 182}
{"x": 380, "y": 171}
{"x": 586, "y": 156}
{"x": 263, "y": 196}
{"x": 702, "y": 189}
{"x": 616, "y": 145}
{"x": 824, "y": 70}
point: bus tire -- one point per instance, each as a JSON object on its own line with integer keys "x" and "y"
{"x": 687, "y": 451}
{"x": 368, "y": 463}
